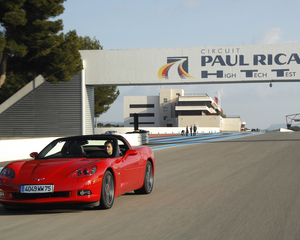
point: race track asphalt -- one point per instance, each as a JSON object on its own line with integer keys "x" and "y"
{"x": 236, "y": 188}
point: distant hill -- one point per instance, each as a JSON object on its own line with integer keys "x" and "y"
{"x": 279, "y": 125}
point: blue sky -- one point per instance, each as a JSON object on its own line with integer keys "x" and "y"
{"x": 128, "y": 24}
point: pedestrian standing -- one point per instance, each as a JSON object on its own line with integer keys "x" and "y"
{"x": 195, "y": 130}
{"x": 187, "y": 131}
{"x": 191, "y": 130}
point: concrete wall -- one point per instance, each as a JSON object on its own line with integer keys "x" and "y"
{"x": 231, "y": 125}
{"x": 141, "y": 100}
{"x": 19, "y": 149}
{"x": 157, "y": 130}
{"x": 44, "y": 109}
{"x": 167, "y": 108}
{"x": 210, "y": 121}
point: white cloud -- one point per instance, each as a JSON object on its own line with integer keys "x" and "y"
{"x": 271, "y": 36}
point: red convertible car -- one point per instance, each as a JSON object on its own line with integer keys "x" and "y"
{"x": 89, "y": 171}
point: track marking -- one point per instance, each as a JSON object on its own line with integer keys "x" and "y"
{"x": 199, "y": 138}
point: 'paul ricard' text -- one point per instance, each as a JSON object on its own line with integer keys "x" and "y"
{"x": 279, "y": 61}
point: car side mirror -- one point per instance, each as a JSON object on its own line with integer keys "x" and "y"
{"x": 33, "y": 154}
{"x": 131, "y": 152}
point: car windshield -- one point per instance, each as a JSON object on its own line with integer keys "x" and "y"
{"x": 84, "y": 147}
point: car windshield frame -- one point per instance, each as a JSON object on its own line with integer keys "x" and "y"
{"x": 90, "y": 146}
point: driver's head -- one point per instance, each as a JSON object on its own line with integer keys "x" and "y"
{"x": 108, "y": 147}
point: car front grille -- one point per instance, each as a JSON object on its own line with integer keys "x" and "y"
{"x": 41, "y": 195}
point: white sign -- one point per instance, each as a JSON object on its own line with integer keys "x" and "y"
{"x": 219, "y": 64}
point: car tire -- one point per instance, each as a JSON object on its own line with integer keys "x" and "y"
{"x": 107, "y": 191}
{"x": 148, "y": 180}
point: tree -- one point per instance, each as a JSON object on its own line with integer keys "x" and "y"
{"x": 223, "y": 115}
{"x": 30, "y": 44}
{"x": 104, "y": 95}
{"x": 86, "y": 43}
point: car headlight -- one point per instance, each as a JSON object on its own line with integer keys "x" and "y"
{"x": 7, "y": 173}
{"x": 84, "y": 172}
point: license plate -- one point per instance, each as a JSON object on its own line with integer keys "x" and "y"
{"x": 49, "y": 188}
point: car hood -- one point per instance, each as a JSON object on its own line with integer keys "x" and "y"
{"x": 46, "y": 169}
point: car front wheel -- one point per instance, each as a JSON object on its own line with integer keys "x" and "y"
{"x": 107, "y": 191}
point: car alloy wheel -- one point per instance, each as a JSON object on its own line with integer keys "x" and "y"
{"x": 149, "y": 177}
{"x": 107, "y": 191}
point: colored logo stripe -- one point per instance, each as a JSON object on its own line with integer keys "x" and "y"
{"x": 182, "y": 73}
{"x": 182, "y": 68}
{"x": 163, "y": 71}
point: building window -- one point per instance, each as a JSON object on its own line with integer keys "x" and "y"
{"x": 189, "y": 113}
{"x": 143, "y": 114}
{"x": 165, "y": 100}
{"x": 165, "y": 109}
{"x": 165, "y": 117}
{"x": 131, "y": 123}
{"x": 193, "y": 103}
{"x": 141, "y": 106}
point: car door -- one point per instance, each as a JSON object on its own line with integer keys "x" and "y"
{"x": 131, "y": 171}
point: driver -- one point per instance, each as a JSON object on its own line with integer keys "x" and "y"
{"x": 108, "y": 147}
